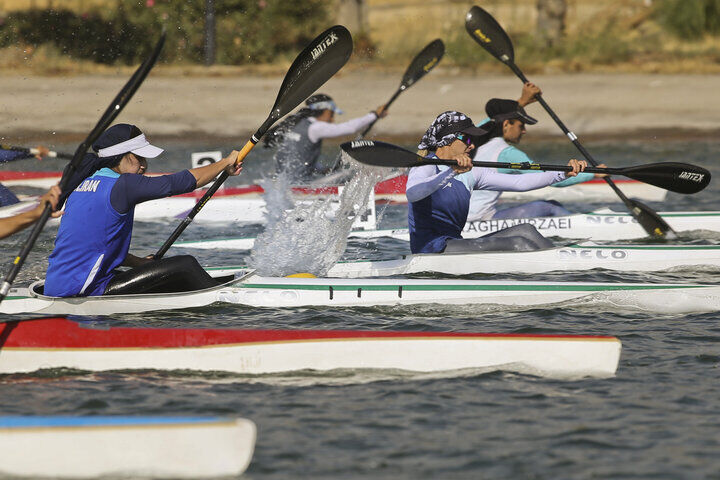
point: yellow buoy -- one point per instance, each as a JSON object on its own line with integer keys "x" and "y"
{"x": 301, "y": 275}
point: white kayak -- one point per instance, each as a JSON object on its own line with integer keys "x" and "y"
{"x": 599, "y": 225}
{"x": 128, "y": 447}
{"x": 250, "y": 289}
{"x": 575, "y": 257}
{"x": 30, "y": 345}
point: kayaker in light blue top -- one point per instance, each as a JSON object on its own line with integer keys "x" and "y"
{"x": 509, "y": 127}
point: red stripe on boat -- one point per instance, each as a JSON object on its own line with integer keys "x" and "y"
{"x": 12, "y": 175}
{"x": 64, "y": 333}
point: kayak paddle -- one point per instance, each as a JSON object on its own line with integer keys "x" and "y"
{"x": 423, "y": 62}
{"x": 35, "y": 151}
{"x": 673, "y": 176}
{"x": 314, "y": 66}
{"x": 113, "y": 110}
{"x": 487, "y": 32}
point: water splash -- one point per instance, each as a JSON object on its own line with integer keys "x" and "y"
{"x": 312, "y": 236}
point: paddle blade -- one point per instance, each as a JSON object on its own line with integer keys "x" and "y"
{"x": 423, "y": 63}
{"x": 673, "y": 176}
{"x": 651, "y": 222}
{"x": 381, "y": 154}
{"x": 314, "y": 66}
{"x": 486, "y": 31}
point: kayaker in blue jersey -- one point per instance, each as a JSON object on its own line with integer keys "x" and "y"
{"x": 95, "y": 232}
{"x": 439, "y": 196}
{"x": 8, "y": 155}
{"x": 14, "y": 224}
{"x": 299, "y": 137}
{"x": 507, "y": 131}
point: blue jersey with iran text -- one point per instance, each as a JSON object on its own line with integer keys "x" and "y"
{"x": 93, "y": 240}
{"x": 94, "y": 235}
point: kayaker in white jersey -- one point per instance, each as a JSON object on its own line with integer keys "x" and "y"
{"x": 14, "y": 224}
{"x": 299, "y": 137}
{"x": 509, "y": 127}
{"x": 439, "y": 196}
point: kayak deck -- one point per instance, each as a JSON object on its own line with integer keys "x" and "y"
{"x": 253, "y": 290}
{"x": 91, "y": 447}
{"x": 574, "y": 257}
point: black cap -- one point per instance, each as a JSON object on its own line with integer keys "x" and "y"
{"x": 500, "y": 109}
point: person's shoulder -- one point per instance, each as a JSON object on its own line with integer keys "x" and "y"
{"x": 129, "y": 179}
{"x": 513, "y": 154}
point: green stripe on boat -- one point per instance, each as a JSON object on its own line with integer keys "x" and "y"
{"x": 539, "y": 288}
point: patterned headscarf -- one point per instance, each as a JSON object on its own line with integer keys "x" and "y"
{"x": 444, "y": 129}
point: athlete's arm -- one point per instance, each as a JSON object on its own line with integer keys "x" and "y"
{"x": 515, "y": 155}
{"x": 206, "y": 174}
{"x": 489, "y": 179}
{"x": 12, "y": 155}
{"x": 14, "y": 224}
{"x": 424, "y": 181}
{"x": 319, "y": 130}
{"x": 131, "y": 189}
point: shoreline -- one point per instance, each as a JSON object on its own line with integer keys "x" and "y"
{"x": 597, "y": 107}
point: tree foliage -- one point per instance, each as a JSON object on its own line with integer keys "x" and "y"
{"x": 247, "y": 31}
{"x": 690, "y": 19}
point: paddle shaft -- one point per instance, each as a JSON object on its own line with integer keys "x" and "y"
{"x": 525, "y": 166}
{"x": 369, "y": 127}
{"x": 35, "y": 151}
{"x": 385, "y": 107}
{"x": 210, "y": 192}
{"x": 660, "y": 226}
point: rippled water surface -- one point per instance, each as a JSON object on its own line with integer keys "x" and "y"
{"x": 659, "y": 417}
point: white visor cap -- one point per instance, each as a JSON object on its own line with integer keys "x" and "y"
{"x": 137, "y": 145}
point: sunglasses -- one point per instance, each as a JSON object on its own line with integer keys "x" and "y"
{"x": 466, "y": 139}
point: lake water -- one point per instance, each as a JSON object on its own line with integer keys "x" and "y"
{"x": 659, "y": 417}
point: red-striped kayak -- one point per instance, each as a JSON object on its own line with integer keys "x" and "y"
{"x": 30, "y": 345}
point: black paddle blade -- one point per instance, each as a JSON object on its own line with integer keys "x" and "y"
{"x": 651, "y": 222}
{"x": 381, "y": 154}
{"x": 423, "y": 63}
{"x": 314, "y": 66}
{"x": 673, "y": 176}
{"x": 486, "y": 31}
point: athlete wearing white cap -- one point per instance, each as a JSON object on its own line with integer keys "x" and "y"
{"x": 94, "y": 235}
